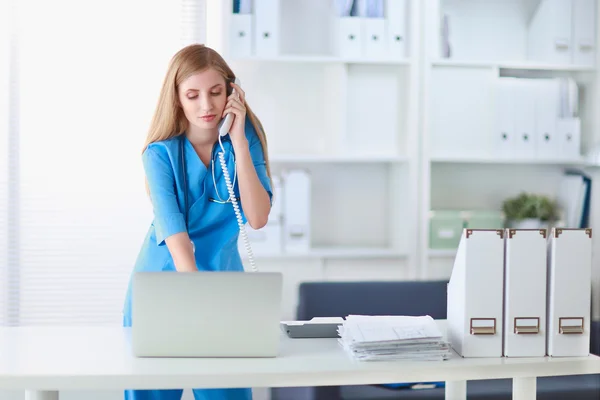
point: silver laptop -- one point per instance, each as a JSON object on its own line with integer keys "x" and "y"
{"x": 206, "y": 314}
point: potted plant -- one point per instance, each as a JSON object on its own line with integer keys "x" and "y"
{"x": 530, "y": 211}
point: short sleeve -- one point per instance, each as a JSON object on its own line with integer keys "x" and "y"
{"x": 258, "y": 159}
{"x": 168, "y": 218}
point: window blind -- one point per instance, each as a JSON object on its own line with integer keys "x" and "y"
{"x": 5, "y": 29}
{"x": 89, "y": 75}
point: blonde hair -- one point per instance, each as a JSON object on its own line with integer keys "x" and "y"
{"x": 169, "y": 120}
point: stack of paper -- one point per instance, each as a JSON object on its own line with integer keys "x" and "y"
{"x": 373, "y": 338}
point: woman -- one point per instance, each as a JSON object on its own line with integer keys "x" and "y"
{"x": 196, "y": 94}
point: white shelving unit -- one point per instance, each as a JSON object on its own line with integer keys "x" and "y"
{"x": 338, "y": 253}
{"x": 348, "y": 118}
{"x": 518, "y": 65}
{"x": 389, "y": 136}
{"x": 490, "y": 40}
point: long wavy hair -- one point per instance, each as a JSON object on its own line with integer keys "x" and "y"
{"x": 169, "y": 120}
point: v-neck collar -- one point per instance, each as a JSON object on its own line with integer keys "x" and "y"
{"x": 214, "y": 149}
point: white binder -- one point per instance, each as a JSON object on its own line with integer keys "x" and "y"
{"x": 375, "y": 40}
{"x": 475, "y": 294}
{"x": 569, "y": 136}
{"x": 297, "y": 211}
{"x": 266, "y": 27}
{"x": 569, "y": 292}
{"x": 276, "y": 214}
{"x": 549, "y": 37}
{"x": 242, "y": 35}
{"x": 269, "y": 239}
{"x": 584, "y": 32}
{"x": 504, "y": 134}
{"x": 525, "y": 293}
{"x": 547, "y": 107}
{"x": 350, "y": 37}
{"x": 266, "y": 241}
{"x": 397, "y": 21}
{"x": 524, "y": 114}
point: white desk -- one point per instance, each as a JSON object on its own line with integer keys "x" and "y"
{"x": 44, "y": 360}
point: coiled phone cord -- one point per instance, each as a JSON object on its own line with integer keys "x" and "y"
{"x": 236, "y": 207}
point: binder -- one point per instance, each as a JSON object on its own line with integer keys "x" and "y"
{"x": 267, "y": 28}
{"x": 475, "y": 294}
{"x": 569, "y": 292}
{"x": 350, "y": 37}
{"x": 269, "y": 239}
{"x": 547, "y": 107}
{"x": 296, "y": 210}
{"x": 549, "y": 37}
{"x": 266, "y": 241}
{"x": 569, "y": 136}
{"x": 505, "y": 137}
{"x": 276, "y": 214}
{"x": 584, "y": 32}
{"x": 242, "y": 35}
{"x": 524, "y": 115}
{"x": 574, "y": 198}
{"x": 397, "y": 27}
{"x": 242, "y": 6}
{"x": 525, "y": 293}
{"x": 375, "y": 40}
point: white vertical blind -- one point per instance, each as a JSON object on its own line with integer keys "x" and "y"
{"x": 89, "y": 78}
{"x": 193, "y": 21}
{"x": 4, "y": 124}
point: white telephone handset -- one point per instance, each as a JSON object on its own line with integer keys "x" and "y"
{"x": 225, "y": 124}
{"x": 224, "y": 127}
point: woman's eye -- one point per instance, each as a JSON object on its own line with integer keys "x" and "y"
{"x": 216, "y": 93}
{"x": 192, "y": 97}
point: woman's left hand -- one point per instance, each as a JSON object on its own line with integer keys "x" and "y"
{"x": 236, "y": 105}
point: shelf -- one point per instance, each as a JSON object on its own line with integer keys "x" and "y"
{"x": 522, "y": 65}
{"x": 321, "y": 59}
{"x": 442, "y": 253}
{"x": 336, "y": 252}
{"x": 508, "y": 161}
{"x": 335, "y": 158}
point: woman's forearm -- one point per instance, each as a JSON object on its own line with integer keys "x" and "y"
{"x": 182, "y": 252}
{"x": 256, "y": 203}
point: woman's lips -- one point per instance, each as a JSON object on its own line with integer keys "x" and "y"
{"x": 208, "y": 118}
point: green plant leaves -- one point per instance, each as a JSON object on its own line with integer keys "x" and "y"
{"x": 529, "y": 205}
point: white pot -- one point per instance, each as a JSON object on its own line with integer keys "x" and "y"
{"x": 529, "y": 223}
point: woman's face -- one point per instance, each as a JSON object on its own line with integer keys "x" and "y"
{"x": 203, "y": 97}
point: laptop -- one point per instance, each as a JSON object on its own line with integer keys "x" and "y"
{"x": 206, "y": 314}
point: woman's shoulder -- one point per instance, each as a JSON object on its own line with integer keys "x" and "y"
{"x": 163, "y": 147}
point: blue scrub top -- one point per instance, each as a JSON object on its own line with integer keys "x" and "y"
{"x": 212, "y": 226}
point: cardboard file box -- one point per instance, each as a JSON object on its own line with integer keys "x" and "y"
{"x": 569, "y": 292}
{"x": 445, "y": 229}
{"x": 475, "y": 294}
{"x": 525, "y": 293}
